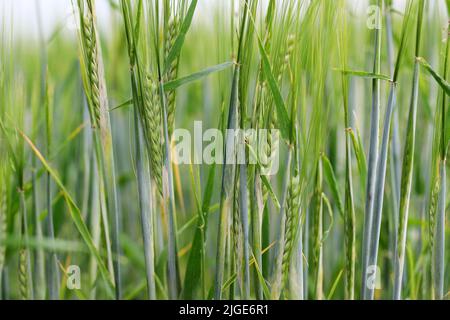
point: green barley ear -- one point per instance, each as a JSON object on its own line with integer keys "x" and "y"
{"x": 171, "y": 35}
{"x": 89, "y": 38}
{"x": 433, "y": 209}
{"x": 172, "y": 72}
{"x": 318, "y": 235}
{"x": 292, "y": 219}
{"x": 278, "y": 263}
{"x": 23, "y": 275}
{"x": 3, "y": 222}
{"x": 290, "y": 43}
{"x": 153, "y": 130}
{"x": 270, "y": 149}
{"x": 236, "y": 229}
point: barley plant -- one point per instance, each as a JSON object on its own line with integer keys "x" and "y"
{"x": 227, "y": 149}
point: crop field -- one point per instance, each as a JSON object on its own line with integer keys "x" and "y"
{"x": 226, "y": 149}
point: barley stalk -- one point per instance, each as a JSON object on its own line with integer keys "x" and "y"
{"x": 228, "y": 173}
{"x": 95, "y": 219}
{"x": 407, "y": 167}
{"x": 142, "y": 101}
{"x": 99, "y": 111}
{"x": 53, "y": 276}
{"x": 349, "y": 211}
{"x": 439, "y": 253}
{"x": 373, "y": 160}
{"x": 229, "y": 167}
{"x": 318, "y": 233}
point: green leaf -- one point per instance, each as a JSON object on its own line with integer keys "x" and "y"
{"x": 404, "y": 35}
{"x": 283, "y": 117}
{"x": 270, "y": 189}
{"x": 335, "y": 283}
{"x": 360, "y": 155}
{"x": 229, "y": 282}
{"x": 74, "y": 212}
{"x": 9, "y": 145}
{"x": 332, "y": 182}
{"x": 194, "y": 265}
{"x": 330, "y": 215}
{"x": 137, "y": 27}
{"x": 261, "y": 280}
{"x": 364, "y": 74}
{"x": 62, "y": 245}
{"x": 441, "y": 81}
{"x": 176, "y": 49}
{"x": 407, "y": 169}
{"x": 174, "y": 84}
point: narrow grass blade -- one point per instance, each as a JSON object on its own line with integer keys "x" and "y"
{"x": 228, "y": 173}
{"x": 145, "y": 206}
{"x": 407, "y": 167}
{"x": 441, "y": 81}
{"x": 365, "y": 74}
{"x": 74, "y": 213}
{"x": 175, "y": 84}
{"x": 358, "y": 149}
{"x": 439, "y": 254}
{"x": 332, "y": 182}
{"x": 283, "y": 117}
{"x": 372, "y": 161}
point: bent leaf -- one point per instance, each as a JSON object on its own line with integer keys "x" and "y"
{"x": 441, "y": 81}
{"x": 365, "y": 74}
{"x": 172, "y": 85}
{"x": 74, "y": 212}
